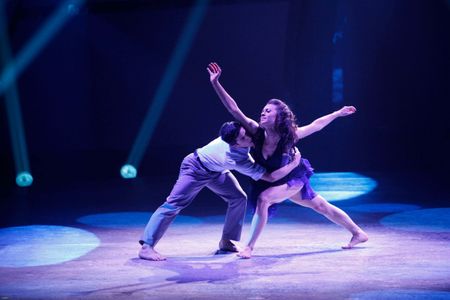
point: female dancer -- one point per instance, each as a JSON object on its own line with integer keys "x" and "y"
{"x": 274, "y": 137}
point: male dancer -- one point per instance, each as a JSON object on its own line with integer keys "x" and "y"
{"x": 210, "y": 166}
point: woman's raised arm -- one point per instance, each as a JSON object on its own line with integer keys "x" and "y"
{"x": 250, "y": 125}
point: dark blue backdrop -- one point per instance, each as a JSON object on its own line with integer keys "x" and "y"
{"x": 85, "y": 96}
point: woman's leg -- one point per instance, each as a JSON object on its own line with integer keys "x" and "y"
{"x": 268, "y": 197}
{"x": 334, "y": 214}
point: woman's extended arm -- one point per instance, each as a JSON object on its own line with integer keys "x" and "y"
{"x": 214, "y": 73}
{"x": 321, "y": 122}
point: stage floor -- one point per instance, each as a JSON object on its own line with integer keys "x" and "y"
{"x": 89, "y": 251}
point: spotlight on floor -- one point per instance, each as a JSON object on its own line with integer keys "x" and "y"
{"x": 128, "y": 171}
{"x": 24, "y": 179}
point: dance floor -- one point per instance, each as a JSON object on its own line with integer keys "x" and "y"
{"x": 79, "y": 241}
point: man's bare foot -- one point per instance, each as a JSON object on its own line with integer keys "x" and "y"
{"x": 357, "y": 238}
{"x": 246, "y": 253}
{"x": 227, "y": 246}
{"x": 149, "y": 253}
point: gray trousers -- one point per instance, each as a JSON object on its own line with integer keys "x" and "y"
{"x": 192, "y": 179}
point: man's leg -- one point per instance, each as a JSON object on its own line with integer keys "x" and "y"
{"x": 190, "y": 182}
{"x": 228, "y": 188}
{"x": 336, "y": 215}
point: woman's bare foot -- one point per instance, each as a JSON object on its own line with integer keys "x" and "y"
{"x": 149, "y": 253}
{"x": 246, "y": 253}
{"x": 357, "y": 238}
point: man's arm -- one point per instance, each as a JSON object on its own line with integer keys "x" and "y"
{"x": 283, "y": 171}
{"x": 321, "y": 122}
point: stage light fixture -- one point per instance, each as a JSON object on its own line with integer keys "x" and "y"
{"x": 128, "y": 171}
{"x": 24, "y": 179}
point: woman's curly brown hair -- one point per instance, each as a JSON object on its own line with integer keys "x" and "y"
{"x": 285, "y": 124}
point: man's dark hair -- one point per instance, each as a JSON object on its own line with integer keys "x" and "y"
{"x": 230, "y": 131}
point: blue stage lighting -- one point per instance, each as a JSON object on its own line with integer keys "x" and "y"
{"x": 14, "y": 116}
{"x": 338, "y": 85}
{"x": 34, "y": 46}
{"x": 128, "y": 171}
{"x": 183, "y": 45}
{"x": 422, "y": 220}
{"x": 73, "y": 9}
{"x": 382, "y": 208}
{"x": 337, "y": 186}
{"x": 39, "y": 245}
{"x": 24, "y": 179}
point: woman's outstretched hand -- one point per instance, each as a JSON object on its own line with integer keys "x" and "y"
{"x": 214, "y": 72}
{"x": 346, "y": 111}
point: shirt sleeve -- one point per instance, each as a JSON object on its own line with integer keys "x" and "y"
{"x": 249, "y": 168}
